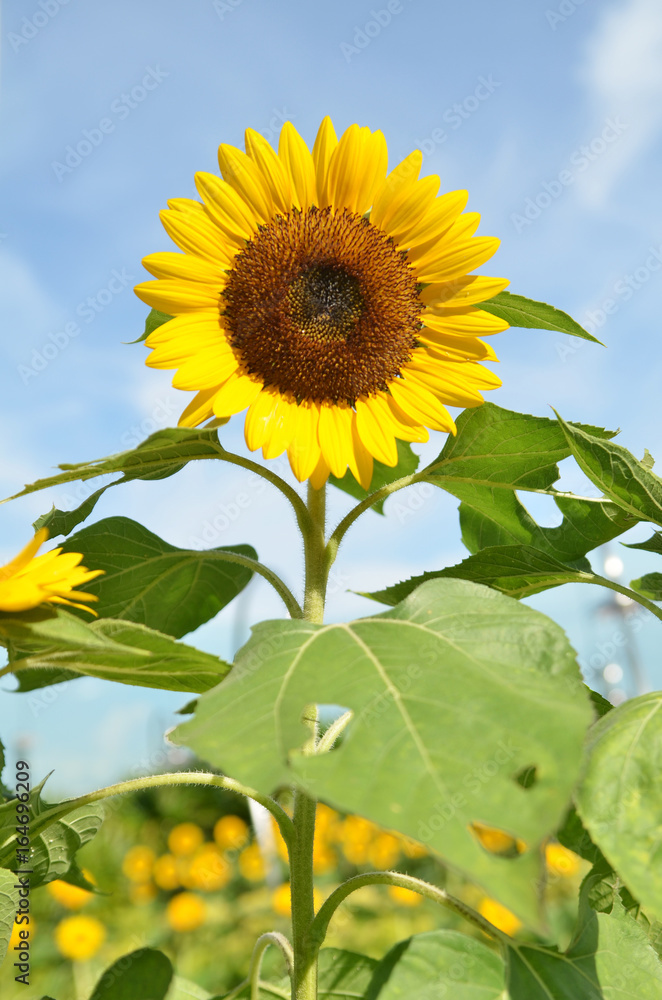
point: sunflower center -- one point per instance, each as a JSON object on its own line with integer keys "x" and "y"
{"x": 325, "y": 303}
{"x": 321, "y": 304}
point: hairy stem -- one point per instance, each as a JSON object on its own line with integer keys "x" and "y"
{"x": 321, "y": 922}
{"x": 300, "y": 509}
{"x": 261, "y": 945}
{"x": 281, "y": 588}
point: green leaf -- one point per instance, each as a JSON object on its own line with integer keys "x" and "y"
{"x": 650, "y": 585}
{"x": 527, "y": 313}
{"x": 652, "y": 544}
{"x": 62, "y": 522}
{"x": 516, "y": 570}
{"x": 154, "y": 320}
{"x": 575, "y": 837}
{"x": 439, "y": 964}
{"x": 147, "y": 580}
{"x": 143, "y": 975}
{"x": 159, "y": 456}
{"x": 458, "y": 686}
{"x": 5, "y": 793}
{"x": 57, "y": 832}
{"x": 184, "y": 989}
{"x": 109, "y": 649}
{"x": 342, "y": 975}
{"x": 614, "y": 470}
{"x": 501, "y": 449}
{"x": 620, "y": 796}
{"x": 382, "y": 474}
{"x": 8, "y": 907}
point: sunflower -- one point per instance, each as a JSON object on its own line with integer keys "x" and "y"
{"x": 330, "y": 299}
{"x": 30, "y": 580}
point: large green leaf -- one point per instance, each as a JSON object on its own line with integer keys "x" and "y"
{"x": 160, "y": 455}
{"x": 501, "y": 449}
{"x": 520, "y": 311}
{"x": 620, "y": 795}
{"x": 454, "y": 693}
{"x": 149, "y": 581}
{"x": 143, "y": 975}
{"x": 650, "y": 585}
{"x": 8, "y": 906}
{"x": 439, "y": 964}
{"x": 381, "y": 475}
{"x": 45, "y": 651}
{"x": 516, "y": 570}
{"x": 184, "y": 989}
{"x": 614, "y": 470}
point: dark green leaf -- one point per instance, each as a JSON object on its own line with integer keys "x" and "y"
{"x": 143, "y": 975}
{"x": 527, "y": 313}
{"x": 154, "y": 320}
{"x": 652, "y": 544}
{"x": 575, "y": 837}
{"x": 109, "y": 649}
{"x": 501, "y": 449}
{"x": 439, "y": 964}
{"x": 382, "y": 474}
{"x": 649, "y": 585}
{"x": 159, "y": 456}
{"x": 455, "y": 680}
{"x": 620, "y": 796}
{"x": 614, "y": 470}
{"x": 62, "y": 522}
{"x": 149, "y": 581}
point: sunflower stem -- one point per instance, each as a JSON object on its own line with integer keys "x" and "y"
{"x": 254, "y": 566}
{"x": 300, "y": 509}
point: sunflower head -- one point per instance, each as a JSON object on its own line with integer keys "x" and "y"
{"x": 51, "y": 578}
{"x": 330, "y": 299}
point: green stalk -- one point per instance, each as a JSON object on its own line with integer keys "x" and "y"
{"x": 304, "y": 978}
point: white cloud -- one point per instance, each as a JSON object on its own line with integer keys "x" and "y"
{"x": 623, "y": 74}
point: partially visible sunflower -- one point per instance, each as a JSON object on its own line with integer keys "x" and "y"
{"x": 332, "y": 300}
{"x": 30, "y": 580}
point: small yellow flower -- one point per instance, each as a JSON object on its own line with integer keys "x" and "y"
{"x": 405, "y": 897}
{"x": 71, "y": 896}
{"x": 356, "y": 836}
{"x": 324, "y": 857}
{"x": 499, "y": 915}
{"x": 231, "y": 832}
{"x": 30, "y": 580}
{"x": 498, "y": 841}
{"x": 384, "y": 851}
{"x": 412, "y": 849}
{"x": 185, "y": 838}
{"x": 251, "y": 863}
{"x": 208, "y": 869}
{"x": 327, "y": 822}
{"x": 281, "y": 900}
{"x": 79, "y": 937}
{"x": 186, "y": 912}
{"x": 165, "y": 872}
{"x": 142, "y": 893}
{"x": 138, "y": 863}
{"x": 561, "y": 861}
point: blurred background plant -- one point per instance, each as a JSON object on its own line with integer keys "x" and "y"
{"x": 187, "y": 870}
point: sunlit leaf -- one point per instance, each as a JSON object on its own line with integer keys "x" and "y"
{"x": 520, "y": 311}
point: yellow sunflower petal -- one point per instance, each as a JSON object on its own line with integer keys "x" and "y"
{"x": 176, "y": 296}
{"x": 227, "y": 208}
{"x": 421, "y": 405}
{"x": 463, "y": 256}
{"x": 189, "y": 326}
{"x": 464, "y": 291}
{"x": 185, "y": 266}
{"x": 260, "y": 413}
{"x": 456, "y": 348}
{"x": 282, "y": 428}
{"x": 206, "y": 369}
{"x": 199, "y": 409}
{"x": 304, "y": 448}
{"x": 246, "y": 178}
{"x": 374, "y": 428}
{"x": 335, "y": 436}
{"x": 438, "y": 383}
{"x": 25, "y": 555}
{"x": 320, "y": 474}
{"x": 186, "y": 205}
{"x": 360, "y": 462}
{"x": 396, "y": 187}
{"x": 271, "y": 168}
{"x": 357, "y": 168}
{"x": 197, "y": 235}
{"x": 441, "y": 214}
{"x": 464, "y": 322}
{"x": 409, "y": 210}
{"x": 298, "y": 162}
{"x": 325, "y": 144}
{"x": 235, "y": 395}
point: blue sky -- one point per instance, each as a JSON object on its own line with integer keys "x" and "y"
{"x": 549, "y": 113}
